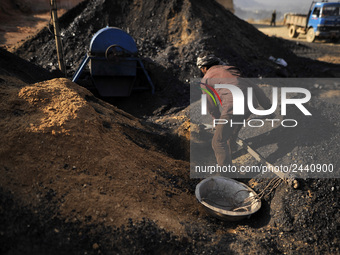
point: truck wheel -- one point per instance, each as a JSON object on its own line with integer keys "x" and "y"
{"x": 292, "y": 32}
{"x": 310, "y": 35}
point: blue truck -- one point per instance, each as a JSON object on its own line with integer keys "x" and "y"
{"x": 322, "y": 21}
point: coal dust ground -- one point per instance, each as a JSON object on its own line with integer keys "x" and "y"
{"x": 71, "y": 186}
{"x": 84, "y": 176}
{"x": 322, "y": 50}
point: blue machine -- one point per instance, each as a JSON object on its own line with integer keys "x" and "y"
{"x": 113, "y": 57}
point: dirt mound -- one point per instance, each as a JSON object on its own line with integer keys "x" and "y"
{"x": 20, "y": 19}
{"x": 80, "y": 175}
{"x": 6, "y": 10}
{"x": 42, "y": 5}
{"x": 9, "y": 8}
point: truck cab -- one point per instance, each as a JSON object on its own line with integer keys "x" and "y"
{"x": 323, "y": 21}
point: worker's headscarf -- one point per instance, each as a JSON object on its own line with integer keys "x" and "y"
{"x": 209, "y": 60}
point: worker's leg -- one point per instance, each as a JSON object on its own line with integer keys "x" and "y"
{"x": 236, "y": 130}
{"x": 221, "y": 142}
{"x": 224, "y": 139}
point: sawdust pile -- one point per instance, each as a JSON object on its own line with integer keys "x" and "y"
{"x": 99, "y": 163}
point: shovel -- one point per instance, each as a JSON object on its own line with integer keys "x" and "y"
{"x": 287, "y": 177}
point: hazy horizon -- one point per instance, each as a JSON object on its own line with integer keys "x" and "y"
{"x": 279, "y": 5}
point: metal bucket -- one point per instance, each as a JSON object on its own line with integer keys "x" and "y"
{"x": 227, "y": 199}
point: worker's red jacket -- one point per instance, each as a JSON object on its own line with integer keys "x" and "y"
{"x": 221, "y": 74}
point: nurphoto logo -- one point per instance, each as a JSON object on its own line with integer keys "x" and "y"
{"x": 239, "y": 104}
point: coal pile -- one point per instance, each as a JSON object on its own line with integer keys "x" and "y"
{"x": 170, "y": 34}
{"x": 12, "y": 65}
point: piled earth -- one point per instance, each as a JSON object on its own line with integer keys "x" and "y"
{"x": 60, "y": 144}
{"x": 11, "y": 65}
{"x": 80, "y": 175}
{"x": 170, "y": 35}
{"x": 20, "y": 19}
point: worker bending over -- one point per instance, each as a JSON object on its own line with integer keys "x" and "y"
{"x": 217, "y": 72}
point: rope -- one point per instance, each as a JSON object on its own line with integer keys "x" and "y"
{"x": 275, "y": 181}
{"x": 249, "y": 201}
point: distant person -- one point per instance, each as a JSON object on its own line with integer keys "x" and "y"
{"x": 273, "y": 21}
{"x": 215, "y": 71}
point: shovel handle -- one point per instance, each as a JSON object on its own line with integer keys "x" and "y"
{"x": 289, "y": 178}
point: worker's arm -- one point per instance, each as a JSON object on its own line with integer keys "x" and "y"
{"x": 213, "y": 109}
